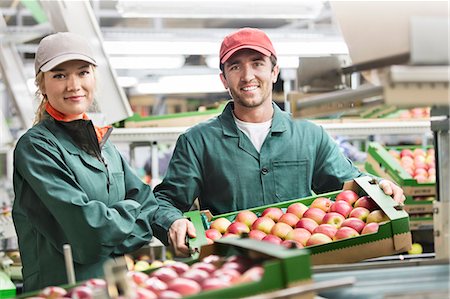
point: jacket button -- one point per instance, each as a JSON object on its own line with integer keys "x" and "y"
{"x": 264, "y": 171}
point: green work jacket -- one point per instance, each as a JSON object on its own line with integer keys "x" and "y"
{"x": 217, "y": 163}
{"x": 63, "y": 195}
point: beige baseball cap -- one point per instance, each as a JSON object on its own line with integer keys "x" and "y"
{"x": 60, "y": 47}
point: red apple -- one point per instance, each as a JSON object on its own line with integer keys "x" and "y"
{"x": 208, "y": 267}
{"x": 137, "y": 277}
{"x": 165, "y": 274}
{"x": 289, "y": 218}
{"x": 281, "y": 229}
{"x": 345, "y": 232}
{"x": 85, "y": 292}
{"x": 359, "y": 212}
{"x": 263, "y": 224}
{"x": 197, "y": 275}
{"x": 272, "y": 239}
{"x": 322, "y": 203}
{"x": 212, "y": 258}
{"x": 155, "y": 285}
{"x": 255, "y": 273}
{"x": 291, "y": 244}
{"x": 237, "y": 228}
{"x": 179, "y": 267}
{"x": 300, "y": 235}
{"x": 141, "y": 293}
{"x": 406, "y": 152}
{"x": 326, "y": 229}
{"x": 256, "y": 234}
{"x": 307, "y": 223}
{"x": 247, "y": 217}
{"x": 355, "y": 223}
{"x": 184, "y": 286}
{"x": 227, "y": 274}
{"x": 221, "y": 224}
{"x": 213, "y": 234}
{"x": 342, "y": 207}
{"x": 333, "y": 218}
{"x": 214, "y": 283}
{"x": 95, "y": 283}
{"x": 297, "y": 209}
{"x": 349, "y": 196}
{"x": 273, "y": 213}
{"x": 315, "y": 214}
{"x": 230, "y": 235}
{"x": 366, "y": 202}
{"x": 318, "y": 238}
{"x": 370, "y": 228}
{"x": 377, "y": 216}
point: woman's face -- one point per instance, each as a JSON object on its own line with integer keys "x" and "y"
{"x": 70, "y": 87}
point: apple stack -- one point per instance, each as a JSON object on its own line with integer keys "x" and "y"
{"x": 179, "y": 279}
{"x": 419, "y": 163}
{"x": 92, "y": 288}
{"x": 324, "y": 220}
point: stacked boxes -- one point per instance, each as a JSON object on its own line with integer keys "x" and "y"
{"x": 419, "y": 194}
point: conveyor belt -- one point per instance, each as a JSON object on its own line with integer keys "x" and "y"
{"x": 412, "y": 280}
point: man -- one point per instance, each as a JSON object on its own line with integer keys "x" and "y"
{"x": 253, "y": 154}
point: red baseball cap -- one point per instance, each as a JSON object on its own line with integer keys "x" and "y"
{"x": 246, "y": 38}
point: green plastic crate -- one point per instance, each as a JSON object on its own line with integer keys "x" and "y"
{"x": 381, "y": 163}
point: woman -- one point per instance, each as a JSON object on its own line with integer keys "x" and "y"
{"x": 71, "y": 184}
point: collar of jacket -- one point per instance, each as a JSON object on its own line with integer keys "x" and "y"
{"x": 279, "y": 121}
{"x": 102, "y": 133}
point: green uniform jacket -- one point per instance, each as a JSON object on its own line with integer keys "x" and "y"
{"x": 64, "y": 195}
{"x": 217, "y": 163}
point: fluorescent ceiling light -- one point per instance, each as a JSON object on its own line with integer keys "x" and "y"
{"x": 183, "y": 84}
{"x": 291, "y": 48}
{"x": 147, "y": 62}
{"x": 237, "y": 9}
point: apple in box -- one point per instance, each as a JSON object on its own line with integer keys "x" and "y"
{"x": 197, "y": 275}
{"x": 213, "y": 234}
{"x": 326, "y": 229}
{"x": 355, "y": 223}
{"x": 349, "y": 196}
{"x": 155, "y": 285}
{"x": 237, "y": 228}
{"x": 273, "y": 213}
{"x": 315, "y": 214}
{"x": 370, "y": 228}
{"x": 322, "y": 203}
{"x": 247, "y": 217}
{"x": 281, "y": 229}
{"x": 333, "y": 218}
{"x": 289, "y": 218}
{"x": 292, "y": 244}
{"x": 297, "y": 209}
{"x": 345, "y": 232}
{"x": 169, "y": 294}
{"x": 366, "y": 202}
{"x": 53, "y": 292}
{"x": 307, "y": 223}
{"x": 141, "y": 293}
{"x": 272, "y": 239}
{"x": 263, "y": 224}
{"x": 165, "y": 274}
{"x": 221, "y": 224}
{"x": 214, "y": 283}
{"x": 359, "y": 212}
{"x": 317, "y": 239}
{"x": 184, "y": 286}
{"x": 256, "y": 234}
{"x": 342, "y": 207}
{"x": 377, "y": 216}
{"x": 300, "y": 235}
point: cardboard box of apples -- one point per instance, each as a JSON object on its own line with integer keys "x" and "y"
{"x": 411, "y": 167}
{"x": 349, "y": 225}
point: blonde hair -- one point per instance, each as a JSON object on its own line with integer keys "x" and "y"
{"x": 40, "y": 114}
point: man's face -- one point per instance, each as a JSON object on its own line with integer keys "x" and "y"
{"x": 249, "y": 77}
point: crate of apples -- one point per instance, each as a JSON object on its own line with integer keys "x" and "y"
{"x": 326, "y": 222}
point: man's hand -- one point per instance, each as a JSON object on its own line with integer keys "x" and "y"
{"x": 392, "y": 189}
{"x": 177, "y": 236}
